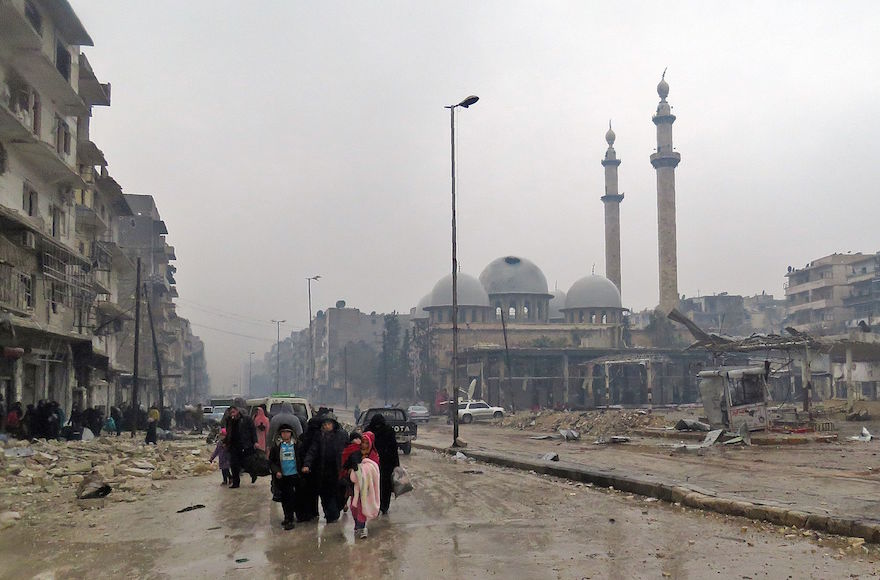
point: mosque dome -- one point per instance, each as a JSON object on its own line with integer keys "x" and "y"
{"x": 470, "y": 292}
{"x": 513, "y": 275}
{"x": 557, "y": 303}
{"x": 663, "y": 87}
{"x": 593, "y": 292}
{"x": 420, "y": 312}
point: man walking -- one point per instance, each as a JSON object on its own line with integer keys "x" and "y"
{"x": 241, "y": 436}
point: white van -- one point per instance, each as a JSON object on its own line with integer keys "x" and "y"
{"x": 301, "y": 406}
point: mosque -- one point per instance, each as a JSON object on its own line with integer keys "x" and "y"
{"x": 524, "y": 345}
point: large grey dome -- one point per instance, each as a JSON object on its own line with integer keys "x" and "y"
{"x": 557, "y": 303}
{"x": 593, "y": 292}
{"x": 470, "y": 292}
{"x": 420, "y": 312}
{"x": 513, "y": 275}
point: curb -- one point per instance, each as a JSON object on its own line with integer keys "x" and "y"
{"x": 653, "y": 487}
{"x": 757, "y": 439}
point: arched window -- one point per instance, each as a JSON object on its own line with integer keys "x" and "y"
{"x": 581, "y": 316}
{"x": 511, "y": 313}
{"x": 497, "y": 311}
{"x": 526, "y": 310}
{"x": 604, "y": 318}
{"x": 592, "y": 317}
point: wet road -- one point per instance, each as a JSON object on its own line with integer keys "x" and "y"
{"x": 463, "y": 521}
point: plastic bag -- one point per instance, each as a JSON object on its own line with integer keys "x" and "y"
{"x": 400, "y": 481}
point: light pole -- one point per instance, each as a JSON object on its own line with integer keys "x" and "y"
{"x": 250, "y": 372}
{"x": 311, "y": 279}
{"x": 278, "y": 323}
{"x": 465, "y": 104}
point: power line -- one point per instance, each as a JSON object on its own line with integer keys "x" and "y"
{"x": 221, "y": 313}
{"x": 231, "y": 332}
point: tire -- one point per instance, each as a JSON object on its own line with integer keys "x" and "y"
{"x": 497, "y": 415}
{"x": 467, "y": 418}
{"x": 406, "y": 448}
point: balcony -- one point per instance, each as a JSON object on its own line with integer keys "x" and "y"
{"x": 15, "y": 124}
{"x": 40, "y": 72}
{"x": 814, "y": 305}
{"x": 16, "y": 30}
{"x": 89, "y": 154}
{"x": 47, "y": 163}
{"x": 88, "y": 220}
{"x": 92, "y": 91}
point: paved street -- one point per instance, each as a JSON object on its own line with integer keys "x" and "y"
{"x": 462, "y": 521}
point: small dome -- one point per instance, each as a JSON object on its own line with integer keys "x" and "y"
{"x": 610, "y": 136}
{"x": 420, "y": 312}
{"x": 663, "y": 88}
{"x": 593, "y": 292}
{"x": 513, "y": 275}
{"x": 470, "y": 292}
{"x": 557, "y": 303}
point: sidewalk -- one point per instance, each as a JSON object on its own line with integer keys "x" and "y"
{"x": 831, "y": 487}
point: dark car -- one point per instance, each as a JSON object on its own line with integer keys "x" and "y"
{"x": 405, "y": 431}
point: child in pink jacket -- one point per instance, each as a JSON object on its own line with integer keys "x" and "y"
{"x": 364, "y": 475}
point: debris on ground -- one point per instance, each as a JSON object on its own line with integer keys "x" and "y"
{"x": 34, "y": 473}
{"x": 586, "y": 423}
{"x": 190, "y": 508}
{"x": 550, "y": 456}
{"x": 692, "y": 425}
{"x": 560, "y": 435}
{"x": 864, "y": 436}
{"x": 613, "y": 440}
{"x": 860, "y": 415}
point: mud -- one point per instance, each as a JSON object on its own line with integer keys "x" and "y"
{"x": 499, "y": 522}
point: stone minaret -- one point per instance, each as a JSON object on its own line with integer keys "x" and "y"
{"x": 612, "y": 200}
{"x": 664, "y": 161}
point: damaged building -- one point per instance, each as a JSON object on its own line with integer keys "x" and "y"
{"x": 65, "y": 296}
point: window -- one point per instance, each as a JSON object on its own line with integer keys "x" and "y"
{"x": 27, "y": 289}
{"x": 33, "y": 16}
{"x": 62, "y": 60}
{"x": 511, "y": 313}
{"x": 592, "y": 318}
{"x": 2, "y": 159}
{"x": 62, "y": 136}
{"x": 36, "y": 109}
{"x": 497, "y": 311}
{"x": 479, "y": 406}
{"x": 526, "y": 311}
{"x": 29, "y": 201}
{"x": 59, "y": 222}
{"x": 581, "y": 316}
{"x": 604, "y": 318}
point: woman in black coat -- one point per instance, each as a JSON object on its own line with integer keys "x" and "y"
{"x": 386, "y": 446}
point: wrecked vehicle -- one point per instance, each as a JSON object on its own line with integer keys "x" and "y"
{"x": 733, "y": 396}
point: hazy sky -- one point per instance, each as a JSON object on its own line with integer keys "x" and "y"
{"x": 283, "y": 139}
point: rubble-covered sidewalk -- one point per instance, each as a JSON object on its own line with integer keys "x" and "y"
{"x": 41, "y": 477}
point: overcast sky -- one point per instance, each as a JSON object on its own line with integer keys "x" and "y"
{"x": 283, "y": 139}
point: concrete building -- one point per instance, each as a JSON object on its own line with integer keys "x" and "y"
{"x": 665, "y": 160}
{"x": 611, "y": 200}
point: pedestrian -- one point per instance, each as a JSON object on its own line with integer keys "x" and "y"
{"x": 116, "y": 414}
{"x": 110, "y": 424}
{"x": 307, "y": 492}
{"x": 386, "y": 446}
{"x": 261, "y": 423}
{"x": 282, "y": 462}
{"x": 152, "y": 429}
{"x": 222, "y": 456}
{"x": 3, "y": 426}
{"x": 324, "y": 460}
{"x": 241, "y": 436}
{"x": 365, "y": 478}
{"x": 13, "y": 419}
{"x": 197, "y": 418}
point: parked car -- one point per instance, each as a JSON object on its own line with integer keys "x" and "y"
{"x": 301, "y": 406}
{"x": 418, "y": 413}
{"x": 470, "y": 411}
{"x": 213, "y": 415}
{"x": 405, "y": 431}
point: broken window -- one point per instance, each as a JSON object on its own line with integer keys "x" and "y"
{"x": 747, "y": 390}
{"x": 62, "y": 136}
{"x": 36, "y": 109}
{"x": 29, "y": 201}
{"x": 62, "y": 60}
{"x": 27, "y": 289}
{"x": 33, "y": 16}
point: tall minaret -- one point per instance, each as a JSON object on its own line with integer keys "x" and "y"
{"x": 664, "y": 161}
{"x": 612, "y": 200}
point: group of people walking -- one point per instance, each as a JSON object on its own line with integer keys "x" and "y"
{"x": 314, "y": 462}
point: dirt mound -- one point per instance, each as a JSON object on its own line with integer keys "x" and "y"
{"x": 604, "y": 422}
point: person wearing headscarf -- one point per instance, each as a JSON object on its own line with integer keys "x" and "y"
{"x": 386, "y": 446}
{"x": 261, "y": 423}
{"x": 324, "y": 460}
{"x": 365, "y": 478}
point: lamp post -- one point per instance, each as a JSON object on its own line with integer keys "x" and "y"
{"x": 278, "y": 323}
{"x": 311, "y": 279}
{"x": 465, "y": 104}
{"x": 250, "y": 372}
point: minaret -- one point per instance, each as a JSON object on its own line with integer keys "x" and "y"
{"x": 612, "y": 200}
{"x": 664, "y": 161}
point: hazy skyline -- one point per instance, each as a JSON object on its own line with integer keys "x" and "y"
{"x": 286, "y": 139}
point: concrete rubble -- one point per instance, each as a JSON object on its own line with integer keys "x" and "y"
{"x": 586, "y": 423}
{"x": 34, "y": 473}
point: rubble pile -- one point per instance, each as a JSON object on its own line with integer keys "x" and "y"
{"x": 34, "y": 472}
{"x": 587, "y": 423}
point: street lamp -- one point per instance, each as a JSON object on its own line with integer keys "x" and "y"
{"x": 278, "y": 323}
{"x": 464, "y": 104}
{"x": 311, "y": 279}
{"x": 250, "y": 372}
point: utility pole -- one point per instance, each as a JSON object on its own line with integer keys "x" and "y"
{"x": 137, "y": 340}
{"x": 156, "y": 354}
{"x": 345, "y": 373}
{"x": 507, "y": 360}
{"x": 311, "y": 385}
{"x": 278, "y": 323}
{"x": 250, "y": 372}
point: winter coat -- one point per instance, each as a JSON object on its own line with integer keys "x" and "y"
{"x": 241, "y": 436}
{"x": 222, "y": 455}
{"x": 261, "y": 424}
{"x": 386, "y": 443}
{"x": 275, "y": 458}
{"x": 324, "y": 455}
{"x": 285, "y": 417}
